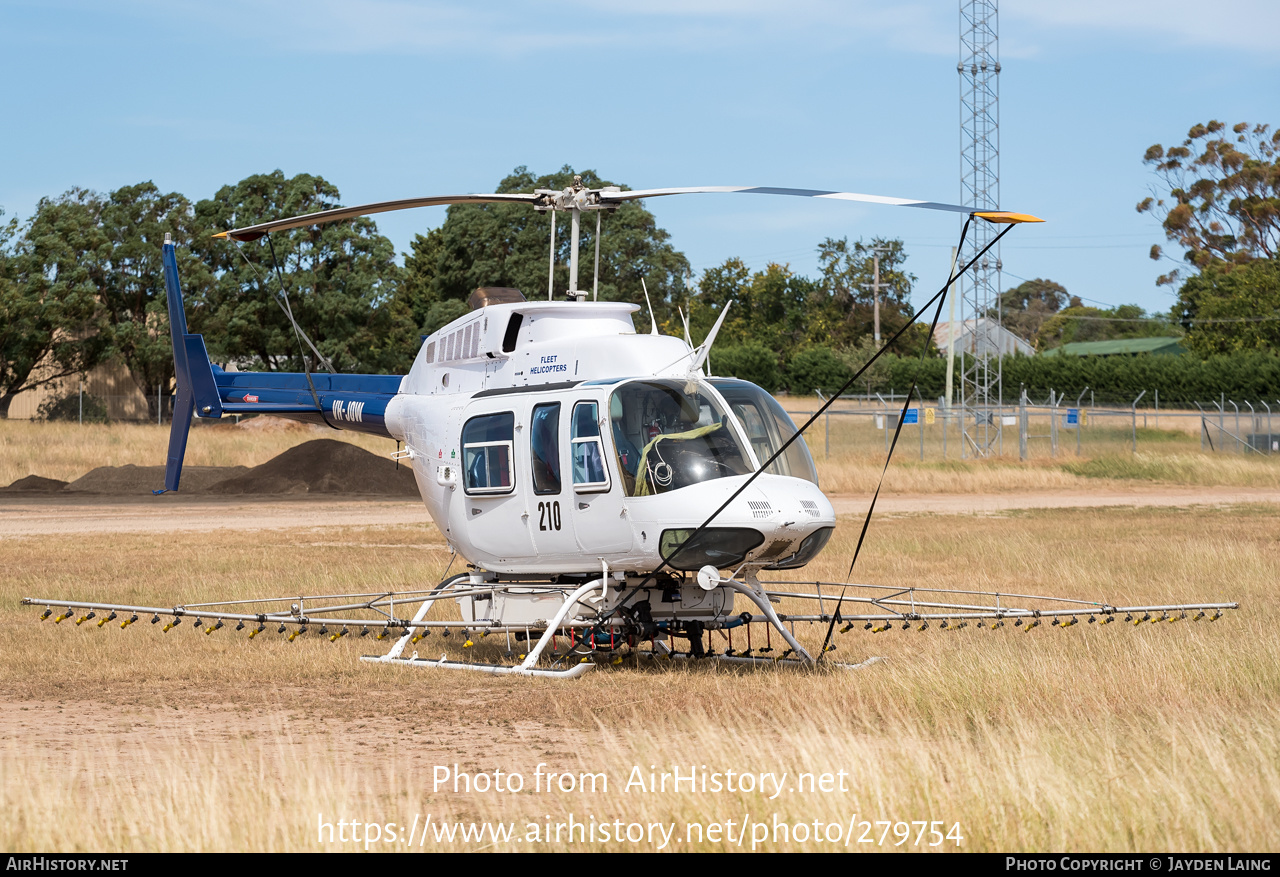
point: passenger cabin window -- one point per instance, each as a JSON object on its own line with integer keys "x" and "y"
{"x": 589, "y": 471}
{"x": 487, "y": 443}
{"x": 669, "y": 435}
{"x": 544, "y": 448}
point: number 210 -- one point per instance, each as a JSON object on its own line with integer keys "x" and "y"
{"x": 548, "y": 516}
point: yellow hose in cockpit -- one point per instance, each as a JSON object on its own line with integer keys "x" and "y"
{"x": 642, "y": 470}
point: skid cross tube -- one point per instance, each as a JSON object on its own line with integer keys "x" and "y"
{"x": 527, "y": 668}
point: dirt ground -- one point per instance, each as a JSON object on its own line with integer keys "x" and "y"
{"x": 131, "y": 727}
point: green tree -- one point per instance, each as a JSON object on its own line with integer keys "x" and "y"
{"x": 855, "y": 356}
{"x": 770, "y": 306}
{"x": 418, "y": 290}
{"x": 1245, "y": 298}
{"x": 847, "y": 311}
{"x": 135, "y": 220}
{"x": 508, "y": 244}
{"x": 817, "y": 368}
{"x": 752, "y": 362}
{"x": 1219, "y": 195}
{"x": 1081, "y": 323}
{"x": 441, "y": 314}
{"x": 1024, "y": 308}
{"x": 51, "y": 319}
{"x": 341, "y": 278}
{"x": 718, "y": 287}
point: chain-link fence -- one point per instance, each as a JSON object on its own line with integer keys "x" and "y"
{"x": 1028, "y": 428}
{"x": 106, "y": 394}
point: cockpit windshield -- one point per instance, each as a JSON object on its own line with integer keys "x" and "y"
{"x": 768, "y": 427}
{"x": 669, "y": 435}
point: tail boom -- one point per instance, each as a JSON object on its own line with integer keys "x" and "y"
{"x": 349, "y": 401}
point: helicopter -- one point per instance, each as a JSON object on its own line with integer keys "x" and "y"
{"x": 602, "y": 486}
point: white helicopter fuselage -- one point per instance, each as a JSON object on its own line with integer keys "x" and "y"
{"x": 550, "y": 437}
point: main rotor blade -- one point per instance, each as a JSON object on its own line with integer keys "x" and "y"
{"x": 253, "y": 232}
{"x": 605, "y": 197}
{"x": 775, "y": 190}
{"x": 609, "y": 196}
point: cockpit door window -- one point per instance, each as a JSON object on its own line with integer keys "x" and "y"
{"x": 590, "y": 474}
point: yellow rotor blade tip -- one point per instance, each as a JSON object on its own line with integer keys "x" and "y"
{"x": 1005, "y": 216}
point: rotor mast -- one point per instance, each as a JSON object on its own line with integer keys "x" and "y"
{"x": 574, "y": 198}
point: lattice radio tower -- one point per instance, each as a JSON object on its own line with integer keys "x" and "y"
{"x": 981, "y": 394}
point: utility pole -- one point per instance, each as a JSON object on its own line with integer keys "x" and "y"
{"x": 951, "y": 331}
{"x": 875, "y": 289}
{"x": 875, "y": 283}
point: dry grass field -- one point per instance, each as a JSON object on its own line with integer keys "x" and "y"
{"x": 1156, "y": 738}
{"x": 67, "y": 451}
{"x": 1159, "y": 737}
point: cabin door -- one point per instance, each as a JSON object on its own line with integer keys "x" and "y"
{"x": 549, "y": 493}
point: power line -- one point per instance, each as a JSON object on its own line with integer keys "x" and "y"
{"x": 1169, "y": 320}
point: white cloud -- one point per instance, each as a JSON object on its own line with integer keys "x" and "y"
{"x": 1246, "y": 25}
{"x": 569, "y": 29}
{"x": 563, "y": 30}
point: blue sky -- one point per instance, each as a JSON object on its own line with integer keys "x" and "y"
{"x": 395, "y": 99}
